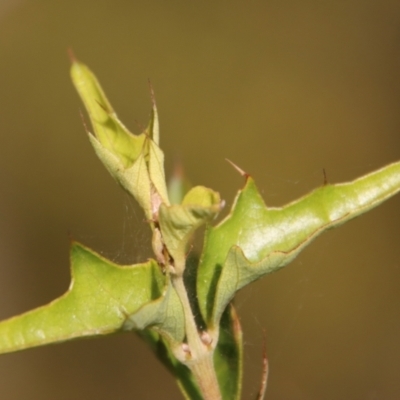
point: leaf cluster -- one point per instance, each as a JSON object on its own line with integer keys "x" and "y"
{"x": 182, "y": 305}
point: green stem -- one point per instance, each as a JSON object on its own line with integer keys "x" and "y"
{"x": 199, "y": 355}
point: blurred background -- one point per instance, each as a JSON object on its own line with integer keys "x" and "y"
{"x": 282, "y": 88}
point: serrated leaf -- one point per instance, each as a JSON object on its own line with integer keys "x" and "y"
{"x": 101, "y": 297}
{"x": 135, "y": 161}
{"x": 255, "y": 240}
{"x": 108, "y": 129}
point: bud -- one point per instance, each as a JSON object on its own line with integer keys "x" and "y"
{"x": 179, "y": 221}
{"x": 135, "y": 161}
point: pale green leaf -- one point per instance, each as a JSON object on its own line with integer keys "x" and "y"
{"x": 101, "y": 297}
{"x": 179, "y": 221}
{"x": 135, "y": 161}
{"x": 255, "y": 240}
{"x": 109, "y": 131}
{"x": 164, "y": 314}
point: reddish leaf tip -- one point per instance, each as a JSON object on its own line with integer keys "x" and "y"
{"x": 71, "y": 55}
{"x": 238, "y": 169}
{"x": 325, "y": 177}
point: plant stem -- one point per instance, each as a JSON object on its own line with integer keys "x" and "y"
{"x": 200, "y": 355}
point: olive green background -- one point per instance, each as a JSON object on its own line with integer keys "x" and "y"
{"x": 282, "y": 88}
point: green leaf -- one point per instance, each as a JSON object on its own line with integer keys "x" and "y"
{"x": 101, "y": 297}
{"x": 109, "y": 130}
{"x": 181, "y": 372}
{"x": 163, "y": 314}
{"x": 179, "y": 221}
{"x": 228, "y": 356}
{"x": 135, "y": 161}
{"x": 255, "y": 240}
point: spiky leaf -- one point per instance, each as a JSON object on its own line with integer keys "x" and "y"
{"x": 255, "y": 240}
{"x": 101, "y": 299}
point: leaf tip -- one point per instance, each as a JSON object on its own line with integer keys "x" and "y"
{"x": 71, "y": 56}
{"x": 325, "y": 183}
{"x": 238, "y": 169}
